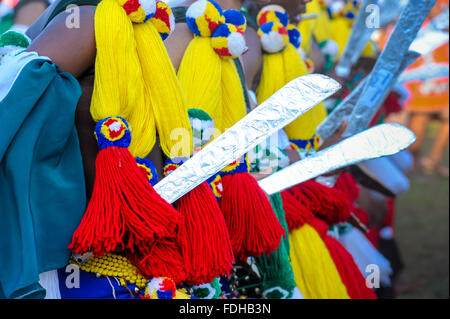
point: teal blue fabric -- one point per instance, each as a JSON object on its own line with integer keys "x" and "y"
{"x": 42, "y": 190}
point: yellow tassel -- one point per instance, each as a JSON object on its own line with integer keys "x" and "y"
{"x": 272, "y": 77}
{"x": 233, "y": 100}
{"x": 168, "y": 101}
{"x": 118, "y": 87}
{"x": 315, "y": 273}
{"x": 340, "y": 32}
{"x": 135, "y": 79}
{"x": 322, "y": 32}
{"x": 212, "y": 84}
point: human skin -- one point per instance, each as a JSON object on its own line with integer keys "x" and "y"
{"x": 28, "y": 13}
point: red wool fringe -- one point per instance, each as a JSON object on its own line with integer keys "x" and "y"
{"x": 329, "y": 204}
{"x": 123, "y": 203}
{"x": 162, "y": 259}
{"x": 253, "y": 226}
{"x": 296, "y": 213}
{"x": 204, "y": 238}
{"x": 361, "y": 215}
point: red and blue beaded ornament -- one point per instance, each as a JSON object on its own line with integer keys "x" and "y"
{"x": 295, "y": 37}
{"x": 274, "y": 37}
{"x": 122, "y": 199}
{"x": 241, "y": 165}
{"x": 149, "y": 169}
{"x": 204, "y": 17}
{"x": 172, "y": 164}
{"x": 215, "y": 182}
{"x": 254, "y": 229}
{"x": 236, "y": 18}
{"x": 164, "y": 288}
{"x": 228, "y": 42}
{"x": 163, "y": 20}
{"x": 113, "y": 131}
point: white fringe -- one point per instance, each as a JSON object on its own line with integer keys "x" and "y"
{"x": 365, "y": 254}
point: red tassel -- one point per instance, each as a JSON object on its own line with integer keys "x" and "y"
{"x": 361, "y": 215}
{"x": 296, "y": 213}
{"x": 253, "y": 226}
{"x": 325, "y": 202}
{"x": 122, "y": 202}
{"x": 348, "y": 270}
{"x": 162, "y": 259}
{"x": 204, "y": 238}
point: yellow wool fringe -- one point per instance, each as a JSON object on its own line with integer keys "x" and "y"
{"x": 278, "y": 70}
{"x": 134, "y": 79}
{"x": 272, "y": 76}
{"x": 315, "y": 273}
{"x": 212, "y": 83}
{"x": 168, "y": 100}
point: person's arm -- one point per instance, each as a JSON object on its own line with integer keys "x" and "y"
{"x": 72, "y": 49}
{"x": 177, "y": 43}
{"x": 27, "y": 11}
{"x": 252, "y": 60}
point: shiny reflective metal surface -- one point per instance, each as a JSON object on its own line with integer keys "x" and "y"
{"x": 344, "y": 110}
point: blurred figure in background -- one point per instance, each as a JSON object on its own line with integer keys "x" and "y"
{"x": 6, "y": 14}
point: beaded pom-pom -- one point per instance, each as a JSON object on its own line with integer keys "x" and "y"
{"x": 113, "y": 131}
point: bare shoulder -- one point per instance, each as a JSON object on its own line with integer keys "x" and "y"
{"x": 69, "y": 40}
{"x": 178, "y": 42}
{"x": 252, "y": 60}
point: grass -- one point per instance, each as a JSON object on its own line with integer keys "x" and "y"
{"x": 422, "y": 225}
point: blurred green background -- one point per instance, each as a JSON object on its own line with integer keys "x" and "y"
{"x": 422, "y": 231}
